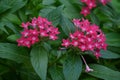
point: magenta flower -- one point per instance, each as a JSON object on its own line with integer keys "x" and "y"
{"x": 90, "y": 4}
{"x": 104, "y": 2}
{"x": 85, "y": 11}
{"x": 25, "y": 33}
{"x": 25, "y": 25}
{"x": 66, "y": 43}
{"x": 82, "y": 47}
{"x": 34, "y": 39}
{"x": 53, "y": 37}
{"x": 75, "y": 43}
{"x": 87, "y": 37}
{"x": 35, "y": 30}
{"x": 34, "y": 22}
{"x": 76, "y": 21}
{"x": 84, "y": 1}
{"x": 43, "y": 33}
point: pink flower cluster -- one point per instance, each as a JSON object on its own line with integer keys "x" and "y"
{"x": 87, "y": 37}
{"x": 90, "y": 4}
{"x": 35, "y": 30}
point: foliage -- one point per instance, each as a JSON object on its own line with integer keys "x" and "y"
{"x": 47, "y": 60}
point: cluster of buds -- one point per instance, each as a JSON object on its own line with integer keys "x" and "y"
{"x": 35, "y": 30}
{"x": 87, "y": 37}
{"x": 90, "y": 4}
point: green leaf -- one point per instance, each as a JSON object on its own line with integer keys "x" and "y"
{"x": 47, "y": 46}
{"x": 72, "y": 68}
{"x": 13, "y": 5}
{"x": 22, "y": 16}
{"x": 11, "y": 26}
{"x": 3, "y": 8}
{"x": 13, "y": 18}
{"x": 6, "y": 23}
{"x": 113, "y": 39}
{"x": 109, "y": 55}
{"x": 39, "y": 60}
{"x": 1, "y": 78}
{"x": 67, "y": 25}
{"x": 104, "y": 72}
{"x": 12, "y": 52}
{"x": 55, "y": 43}
{"x": 56, "y": 73}
{"x": 2, "y": 24}
{"x": 89, "y": 78}
{"x": 3, "y": 69}
{"x": 70, "y": 10}
{"x": 114, "y": 49}
{"x": 116, "y": 44}
{"x": 13, "y": 37}
{"x": 28, "y": 74}
{"x": 107, "y": 11}
{"x": 77, "y": 2}
{"x": 55, "y": 15}
{"x": 48, "y": 2}
{"x": 94, "y": 18}
{"x": 45, "y": 11}
{"x": 116, "y": 4}
{"x": 113, "y": 36}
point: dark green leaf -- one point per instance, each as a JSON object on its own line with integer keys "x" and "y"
{"x": 3, "y": 70}
{"x": 67, "y": 25}
{"x": 2, "y": 24}
{"x": 28, "y": 74}
{"x": 114, "y": 49}
{"x": 55, "y": 15}
{"x": 39, "y": 60}
{"x": 113, "y": 39}
{"x": 72, "y": 68}
{"x": 22, "y": 16}
{"x": 45, "y": 11}
{"x": 104, "y": 72}
{"x": 47, "y": 46}
{"x": 13, "y": 18}
{"x": 6, "y": 23}
{"x": 94, "y": 18}
{"x": 1, "y": 78}
{"x": 13, "y": 37}
{"x": 14, "y": 5}
{"x": 48, "y": 2}
{"x": 3, "y": 8}
{"x": 70, "y": 10}
{"x": 11, "y": 26}
{"x": 107, "y": 11}
{"x": 56, "y": 73}
{"x": 116, "y": 4}
{"x": 12, "y": 52}
{"x": 109, "y": 55}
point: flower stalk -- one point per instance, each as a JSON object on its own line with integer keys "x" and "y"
{"x": 88, "y": 69}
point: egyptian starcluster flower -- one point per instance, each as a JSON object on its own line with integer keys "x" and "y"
{"x": 35, "y": 30}
{"x": 90, "y": 4}
{"x": 87, "y": 37}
